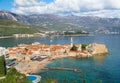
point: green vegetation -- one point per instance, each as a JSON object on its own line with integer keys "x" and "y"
{"x": 13, "y": 76}
{"x": 74, "y": 48}
{"x": 78, "y": 32}
{"x": 84, "y": 46}
{"x": 8, "y": 28}
{"x": 2, "y": 66}
{"x": 59, "y": 26}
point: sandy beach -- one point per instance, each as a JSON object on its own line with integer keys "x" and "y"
{"x": 30, "y": 67}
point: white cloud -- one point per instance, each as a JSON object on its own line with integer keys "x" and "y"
{"x": 79, "y": 7}
{"x": 26, "y": 3}
{"x": 101, "y": 13}
{"x": 114, "y": 4}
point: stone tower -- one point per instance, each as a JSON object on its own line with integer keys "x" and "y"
{"x": 71, "y": 42}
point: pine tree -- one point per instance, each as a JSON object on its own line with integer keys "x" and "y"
{"x": 2, "y": 66}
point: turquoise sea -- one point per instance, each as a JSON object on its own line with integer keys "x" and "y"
{"x": 100, "y": 68}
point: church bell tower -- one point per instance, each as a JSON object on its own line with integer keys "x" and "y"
{"x": 71, "y": 42}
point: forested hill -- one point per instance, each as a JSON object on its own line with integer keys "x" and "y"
{"x": 8, "y": 28}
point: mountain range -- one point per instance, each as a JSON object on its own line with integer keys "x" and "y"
{"x": 71, "y": 22}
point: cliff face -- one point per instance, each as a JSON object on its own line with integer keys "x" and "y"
{"x": 95, "y": 49}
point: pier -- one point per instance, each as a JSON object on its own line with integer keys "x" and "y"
{"x": 66, "y": 69}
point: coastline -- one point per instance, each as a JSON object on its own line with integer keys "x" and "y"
{"x": 31, "y": 66}
{"x": 35, "y": 66}
{"x": 6, "y": 37}
{"x": 42, "y": 64}
{"x": 51, "y": 35}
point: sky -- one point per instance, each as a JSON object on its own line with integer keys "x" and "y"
{"x": 100, "y": 8}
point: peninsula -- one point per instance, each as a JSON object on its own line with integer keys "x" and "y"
{"x": 28, "y": 58}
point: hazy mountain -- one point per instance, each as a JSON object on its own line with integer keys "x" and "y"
{"x": 7, "y": 15}
{"x": 56, "y": 22}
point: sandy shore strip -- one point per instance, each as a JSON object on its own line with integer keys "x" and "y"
{"x": 30, "y": 67}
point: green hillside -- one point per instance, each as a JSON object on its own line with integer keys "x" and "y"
{"x": 62, "y": 27}
{"x": 8, "y": 28}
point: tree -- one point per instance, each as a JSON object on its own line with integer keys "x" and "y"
{"x": 2, "y": 66}
{"x": 84, "y": 46}
{"x": 13, "y": 76}
{"x": 74, "y": 48}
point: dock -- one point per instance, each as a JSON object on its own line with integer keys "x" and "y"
{"x": 65, "y": 69}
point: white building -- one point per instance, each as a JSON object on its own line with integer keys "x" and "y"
{"x": 3, "y": 51}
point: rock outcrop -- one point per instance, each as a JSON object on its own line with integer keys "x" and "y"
{"x": 96, "y": 49}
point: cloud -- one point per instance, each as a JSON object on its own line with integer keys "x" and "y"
{"x": 78, "y": 7}
{"x": 101, "y": 13}
{"x": 27, "y": 3}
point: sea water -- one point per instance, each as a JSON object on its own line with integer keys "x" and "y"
{"x": 105, "y": 69}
